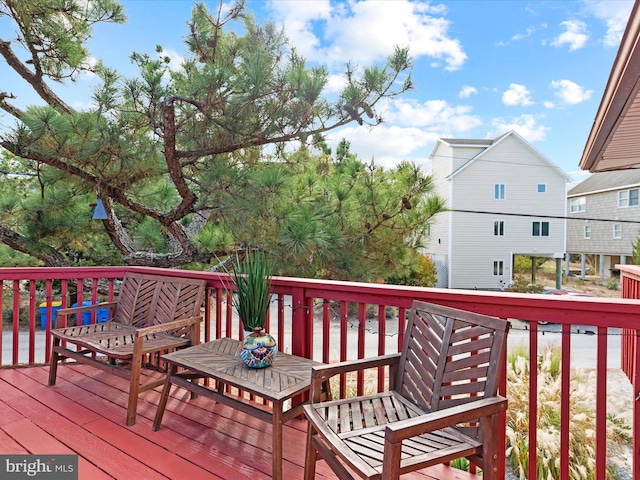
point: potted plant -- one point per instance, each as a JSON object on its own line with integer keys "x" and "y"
{"x": 251, "y": 300}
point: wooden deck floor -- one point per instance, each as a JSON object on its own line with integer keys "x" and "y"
{"x": 199, "y": 439}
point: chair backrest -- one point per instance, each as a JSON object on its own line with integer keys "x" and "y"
{"x": 146, "y": 300}
{"x": 450, "y": 356}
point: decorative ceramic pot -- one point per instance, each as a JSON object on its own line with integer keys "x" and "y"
{"x": 258, "y": 349}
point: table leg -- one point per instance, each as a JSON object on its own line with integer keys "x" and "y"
{"x": 164, "y": 396}
{"x": 276, "y": 460}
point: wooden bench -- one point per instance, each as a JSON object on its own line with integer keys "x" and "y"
{"x": 153, "y": 314}
{"x": 442, "y": 401}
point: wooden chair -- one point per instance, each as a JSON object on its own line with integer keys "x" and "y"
{"x": 153, "y": 314}
{"x": 442, "y": 401}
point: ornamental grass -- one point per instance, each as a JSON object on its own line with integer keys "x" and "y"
{"x": 582, "y": 421}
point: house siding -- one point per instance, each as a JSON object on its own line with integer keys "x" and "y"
{"x": 473, "y": 248}
{"x": 604, "y": 206}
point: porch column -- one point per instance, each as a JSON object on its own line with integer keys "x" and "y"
{"x": 567, "y": 264}
{"x": 601, "y": 266}
{"x": 534, "y": 264}
{"x": 583, "y": 265}
{"x": 559, "y": 273}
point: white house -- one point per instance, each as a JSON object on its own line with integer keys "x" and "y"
{"x": 505, "y": 198}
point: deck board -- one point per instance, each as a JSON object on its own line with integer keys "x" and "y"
{"x": 198, "y": 439}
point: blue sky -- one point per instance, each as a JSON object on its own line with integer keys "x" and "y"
{"x": 481, "y": 67}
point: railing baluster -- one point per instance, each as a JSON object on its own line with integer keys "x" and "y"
{"x": 326, "y": 329}
{"x": 344, "y": 312}
{"x": 382, "y": 347}
{"x": 1, "y": 322}
{"x": 601, "y": 403}
{"x": 533, "y": 398}
{"x": 635, "y": 428}
{"x": 362, "y": 325}
{"x": 32, "y": 321}
{"x": 565, "y": 401}
{"x": 16, "y": 319}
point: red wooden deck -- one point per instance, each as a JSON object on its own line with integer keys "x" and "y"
{"x": 84, "y": 414}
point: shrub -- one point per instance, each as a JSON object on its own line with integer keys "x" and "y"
{"x": 521, "y": 284}
{"x": 7, "y": 317}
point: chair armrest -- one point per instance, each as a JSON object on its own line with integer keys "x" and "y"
{"x": 322, "y": 373}
{"x": 85, "y": 308}
{"x": 163, "y": 327}
{"x": 468, "y": 412}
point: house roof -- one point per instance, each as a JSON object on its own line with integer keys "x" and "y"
{"x": 467, "y": 141}
{"x": 490, "y": 144}
{"x": 614, "y": 143}
{"x": 603, "y": 181}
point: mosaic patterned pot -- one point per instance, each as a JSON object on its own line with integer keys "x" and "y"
{"x": 258, "y": 349}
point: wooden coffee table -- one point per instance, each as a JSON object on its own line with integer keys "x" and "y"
{"x": 288, "y": 377}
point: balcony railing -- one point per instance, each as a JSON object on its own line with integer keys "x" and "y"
{"x": 332, "y": 321}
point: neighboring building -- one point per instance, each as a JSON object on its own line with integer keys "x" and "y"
{"x": 604, "y": 219}
{"x": 505, "y": 199}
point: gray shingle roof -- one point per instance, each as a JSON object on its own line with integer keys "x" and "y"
{"x": 607, "y": 181}
{"x": 467, "y": 141}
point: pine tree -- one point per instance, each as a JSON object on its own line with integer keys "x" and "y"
{"x": 195, "y": 164}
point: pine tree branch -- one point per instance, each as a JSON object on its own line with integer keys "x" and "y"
{"x": 173, "y": 164}
{"x": 41, "y": 251}
{"x": 167, "y": 219}
{"x": 194, "y": 155}
{"x": 7, "y": 107}
{"x": 34, "y": 80}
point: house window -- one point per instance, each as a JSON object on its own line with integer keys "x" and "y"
{"x": 577, "y": 205}
{"x": 542, "y": 188}
{"x": 498, "y": 268}
{"x": 498, "y": 191}
{"x": 617, "y": 230}
{"x": 498, "y": 228}
{"x": 540, "y": 229}
{"x": 587, "y": 231}
{"x": 628, "y": 198}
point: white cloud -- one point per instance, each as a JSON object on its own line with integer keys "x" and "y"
{"x": 615, "y": 16}
{"x": 387, "y": 145}
{"x": 410, "y": 127}
{"x": 570, "y": 92}
{"x": 433, "y": 114}
{"x": 467, "y": 91}
{"x": 575, "y": 35}
{"x": 549, "y": 104}
{"x": 175, "y": 59}
{"x": 517, "y": 95}
{"x": 525, "y": 125}
{"x": 353, "y": 30}
{"x": 520, "y": 36}
{"x": 335, "y": 84}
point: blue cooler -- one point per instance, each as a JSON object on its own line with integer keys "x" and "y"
{"x": 102, "y": 314}
{"x": 55, "y": 306}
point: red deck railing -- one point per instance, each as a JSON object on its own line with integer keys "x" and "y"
{"x": 332, "y": 321}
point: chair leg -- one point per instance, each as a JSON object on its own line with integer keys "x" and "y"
{"x": 134, "y": 384}
{"x": 53, "y": 362}
{"x": 391, "y": 467}
{"x": 490, "y": 462}
{"x": 310, "y": 455}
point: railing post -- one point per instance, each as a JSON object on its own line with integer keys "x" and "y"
{"x": 301, "y": 330}
{"x": 636, "y": 408}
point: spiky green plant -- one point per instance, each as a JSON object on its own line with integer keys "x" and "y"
{"x": 252, "y": 277}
